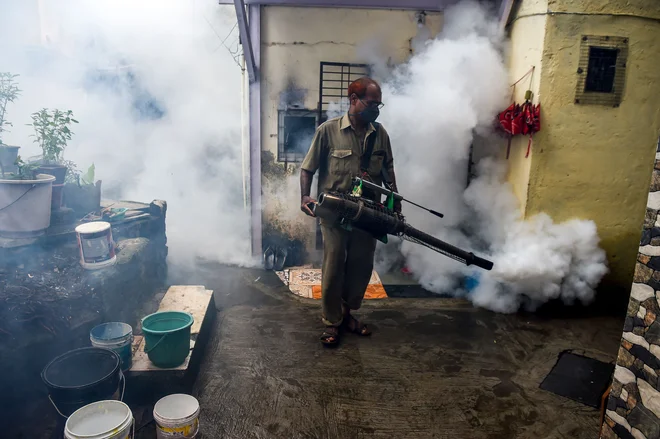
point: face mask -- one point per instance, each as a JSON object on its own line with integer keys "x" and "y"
{"x": 370, "y": 114}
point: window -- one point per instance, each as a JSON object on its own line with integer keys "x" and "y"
{"x": 295, "y": 133}
{"x": 601, "y": 70}
{"x": 335, "y": 77}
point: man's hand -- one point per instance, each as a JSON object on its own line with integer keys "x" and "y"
{"x": 304, "y": 205}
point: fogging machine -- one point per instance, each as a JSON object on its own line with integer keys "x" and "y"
{"x": 353, "y": 210}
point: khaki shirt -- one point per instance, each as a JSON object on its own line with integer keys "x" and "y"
{"x": 336, "y": 153}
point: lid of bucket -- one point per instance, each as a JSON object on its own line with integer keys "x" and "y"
{"x": 81, "y": 368}
{"x": 111, "y": 331}
{"x": 93, "y": 227}
{"x": 176, "y": 406}
{"x": 97, "y": 419}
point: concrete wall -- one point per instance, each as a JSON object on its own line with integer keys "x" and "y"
{"x": 294, "y": 40}
{"x": 593, "y": 161}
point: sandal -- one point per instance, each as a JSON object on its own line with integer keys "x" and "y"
{"x": 355, "y": 326}
{"x": 330, "y": 336}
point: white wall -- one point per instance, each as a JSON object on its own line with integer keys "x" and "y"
{"x": 294, "y": 40}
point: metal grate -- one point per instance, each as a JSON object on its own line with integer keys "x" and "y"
{"x": 334, "y": 80}
{"x": 601, "y": 70}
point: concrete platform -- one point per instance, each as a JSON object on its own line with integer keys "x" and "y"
{"x": 193, "y": 299}
{"x": 434, "y": 368}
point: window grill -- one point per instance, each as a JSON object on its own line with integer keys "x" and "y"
{"x": 601, "y": 70}
{"x": 334, "y": 80}
{"x": 295, "y": 132}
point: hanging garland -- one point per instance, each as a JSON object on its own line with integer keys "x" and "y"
{"x": 522, "y": 118}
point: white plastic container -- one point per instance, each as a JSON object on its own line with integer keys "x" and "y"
{"x": 101, "y": 420}
{"x": 25, "y": 206}
{"x": 97, "y": 249}
{"x": 177, "y": 416}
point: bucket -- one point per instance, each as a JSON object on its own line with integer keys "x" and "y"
{"x": 97, "y": 249}
{"x": 82, "y": 376}
{"x": 471, "y": 282}
{"x": 176, "y": 416}
{"x": 101, "y": 420}
{"x": 167, "y": 337}
{"x": 116, "y": 336}
{"x": 25, "y": 206}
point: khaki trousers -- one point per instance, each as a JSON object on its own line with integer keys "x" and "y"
{"x": 348, "y": 261}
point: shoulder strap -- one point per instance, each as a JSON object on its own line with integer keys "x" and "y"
{"x": 366, "y": 158}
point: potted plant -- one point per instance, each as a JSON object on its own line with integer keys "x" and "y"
{"x": 51, "y": 133}
{"x": 81, "y": 192}
{"x": 25, "y": 199}
{"x": 9, "y": 91}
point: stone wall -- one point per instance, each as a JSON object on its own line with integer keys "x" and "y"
{"x": 633, "y": 407}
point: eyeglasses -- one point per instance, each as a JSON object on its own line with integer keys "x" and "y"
{"x": 371, "y": 104}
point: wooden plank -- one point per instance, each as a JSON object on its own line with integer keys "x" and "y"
{"x": 193, "y": 299}
{"x": 188, "y": 298}
{"x": 141, "y": 362}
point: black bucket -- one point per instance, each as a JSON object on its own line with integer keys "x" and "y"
{"x": 81, "y": 377}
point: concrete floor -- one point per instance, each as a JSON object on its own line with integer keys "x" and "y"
{"x": 434, "y": 368}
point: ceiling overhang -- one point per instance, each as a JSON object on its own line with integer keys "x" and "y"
{"x": 427, "y": 5}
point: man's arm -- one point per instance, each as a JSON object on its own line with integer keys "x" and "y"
{"x": 308, "y": 168}
{"x": 305, "y": 189}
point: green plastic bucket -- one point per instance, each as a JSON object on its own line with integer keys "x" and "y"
{"x": 167, "y": 337}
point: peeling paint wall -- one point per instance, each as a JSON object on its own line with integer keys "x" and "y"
{"x": 294, "y": 41}
{"x": 591, "y": 161}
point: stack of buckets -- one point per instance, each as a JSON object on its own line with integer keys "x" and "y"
{"x": 85, "y": 382}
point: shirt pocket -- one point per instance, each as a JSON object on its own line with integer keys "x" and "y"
{"x": 376, "y": 163}
{"x": 340, "y": 161}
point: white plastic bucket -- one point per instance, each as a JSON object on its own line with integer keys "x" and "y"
{"x": 25, "y": 206}
{"x": 97, "y": 249}
{"x": 101, "y": 420}
{"x": 116, "y": 336}
{"x": 177, "y": 416}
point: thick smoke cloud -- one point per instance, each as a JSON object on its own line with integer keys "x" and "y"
{"x": 157, "y": 93}
{"x": 438, "y": 103}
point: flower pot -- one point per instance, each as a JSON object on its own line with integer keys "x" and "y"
{"x": 56, "y": 199}
{"x": 58, "y": 171}
{"x": 25, "y": 206}
{"x": 8, "y": 156}
{"x": 83, "y": 199}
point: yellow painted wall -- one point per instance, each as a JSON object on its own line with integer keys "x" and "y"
{"x": 294, "y": 40}
{"x": 589, "y": 161}
{"x": 524, "y": 52}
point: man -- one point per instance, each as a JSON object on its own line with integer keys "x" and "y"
{"x": 337, "y": 153}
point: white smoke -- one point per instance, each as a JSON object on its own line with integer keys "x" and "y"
{"x": 157, "y": 94}
{"x": 436, "y": 104}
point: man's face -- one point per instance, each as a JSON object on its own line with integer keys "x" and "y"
{"x": 372, "y": 98}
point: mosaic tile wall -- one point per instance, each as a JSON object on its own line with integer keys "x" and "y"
{"x": 633, "y": 407}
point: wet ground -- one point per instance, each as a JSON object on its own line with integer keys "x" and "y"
{"x": 434, "y": 368}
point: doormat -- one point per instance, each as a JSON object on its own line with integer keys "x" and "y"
{"x": 306, "y": 282}
{"x": 579, "y": 378}
{"x": 409, "y": 292}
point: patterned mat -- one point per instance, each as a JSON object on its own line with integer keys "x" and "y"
{"x": 306, "y": 282}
